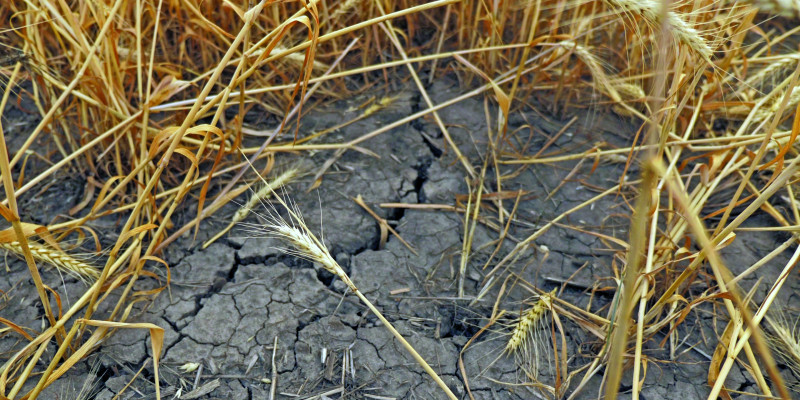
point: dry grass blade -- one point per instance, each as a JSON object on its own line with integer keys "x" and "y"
{"x": 11, "y": 213}
{"x": 736, "y": 308}
{"x": 470, "y": 220}
{"x": 627, "y": 290}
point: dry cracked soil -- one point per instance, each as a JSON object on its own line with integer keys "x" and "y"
{"x": 229, "y": 304}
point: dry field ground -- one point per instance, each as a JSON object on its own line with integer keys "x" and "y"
{"x": 469, "y": 199}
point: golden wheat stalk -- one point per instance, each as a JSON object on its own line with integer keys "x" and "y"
{"x": 296, "y": 58}
{"x": 63, "y": 261}
{"x": 306, "y": 245}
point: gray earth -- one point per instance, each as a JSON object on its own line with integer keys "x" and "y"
{"x": 229, "y": 304}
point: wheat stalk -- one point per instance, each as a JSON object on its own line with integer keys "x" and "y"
{"x": 57, "y": 258}
{"x": 294, "y": 58}
{"x": 306, "y": 245}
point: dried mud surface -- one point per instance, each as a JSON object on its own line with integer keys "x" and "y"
{"x": 229, "y": 303}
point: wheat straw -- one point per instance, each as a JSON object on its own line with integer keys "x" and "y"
{"x": 296, "y": 58}
{"x": 59, "y": 259}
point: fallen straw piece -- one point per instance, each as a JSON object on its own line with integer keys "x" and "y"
{"x": 384, "y": 225}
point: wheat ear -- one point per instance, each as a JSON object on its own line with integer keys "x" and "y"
{"x": 257, "y": 198}
{"x": 785, "y": 341}
{"x": 529, "y": 322}
{"x": 56, "y": 258}
{"x": 307, "y": 245}
{"x": 784, "y": 8}
{"x": 681, "y": 30}
{"x": 595, "y": 67}
{"x": 771, "y": 70}
{"x": 343, "y": 9}
{"x": 770, "y": 110}
{"x": 630, "y": 92}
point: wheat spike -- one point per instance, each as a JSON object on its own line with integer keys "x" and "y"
{"x": 528, "y": 323}
{"x": 680, "y": 29}
{"x": 595, "y": 67}
{"x": 785, "y": 341}
{"x": 257, "y": 198}
{"x": 771, "y": 70}
{"x": 630, "y": 92}
{"x": 784, "y": 8}
{"x": 343, "y": 9}
{"x": 769, "y": 110}
{"x": 264, "y": 193}
{"x": 59, "y": 259}
{"x": 306, "y": 247}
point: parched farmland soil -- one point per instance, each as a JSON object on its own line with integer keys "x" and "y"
{"x": 229, "y": 305}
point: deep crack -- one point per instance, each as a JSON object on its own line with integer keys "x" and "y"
{"x": 422, "y": 176}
